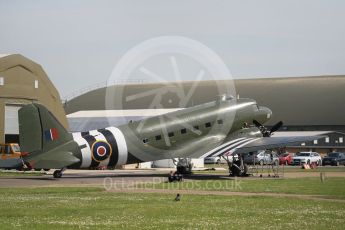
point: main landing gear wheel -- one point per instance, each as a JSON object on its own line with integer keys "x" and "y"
{"x": 184, "y": 166}
{"x": 239, "y": 171}
{"x": 237, "y": 167}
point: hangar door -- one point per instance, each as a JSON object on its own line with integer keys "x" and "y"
{"x": 11, "y": 123}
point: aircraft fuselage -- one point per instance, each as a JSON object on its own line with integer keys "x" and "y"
{"x": 184, "y": 133}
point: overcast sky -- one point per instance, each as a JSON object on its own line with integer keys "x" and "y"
{"x": 79, "y": 42}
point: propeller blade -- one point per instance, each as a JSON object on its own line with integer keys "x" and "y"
{"x": 264, "y": 130}
{"x": 276, "y": 127}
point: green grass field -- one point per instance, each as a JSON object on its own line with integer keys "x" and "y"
{"x": 10, "y": 173}
{"x": 330, "y": 188}
{"x": 95, "y": 208}
{"x": 89, "y": 208}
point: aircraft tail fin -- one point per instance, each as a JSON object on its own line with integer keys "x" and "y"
{"x": 39, "y": 130}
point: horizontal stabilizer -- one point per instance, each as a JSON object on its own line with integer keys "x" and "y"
{"x": 53, "y": 159}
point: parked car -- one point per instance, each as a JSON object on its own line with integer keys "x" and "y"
{"x": 306, "y": 158}
{"x": 285, "y": 158}
{"x": 334, "y": 159}
{"x": 216, "y": 160}
{"x": 248, "y": 158}
{"x": 261, "y": 157}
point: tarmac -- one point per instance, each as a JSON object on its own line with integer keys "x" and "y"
{"x": 123, "y": 179}
{"x": 84, "y": 178}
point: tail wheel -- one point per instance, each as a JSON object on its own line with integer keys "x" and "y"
{"x": 57, "y": 174}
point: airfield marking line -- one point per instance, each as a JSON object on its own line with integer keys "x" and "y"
{"x": 226, "y": 193}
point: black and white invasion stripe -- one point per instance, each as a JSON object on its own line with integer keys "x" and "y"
{"x": 229, "y": 146}
{"x": 113, "y": 136}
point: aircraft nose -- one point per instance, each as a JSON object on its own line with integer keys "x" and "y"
{"x": 267, "y": 111}
{"x": 264, "y": 114}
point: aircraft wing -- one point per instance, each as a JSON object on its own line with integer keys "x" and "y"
{"x": 263, "y": 143}
{"x": 245, "y": 145}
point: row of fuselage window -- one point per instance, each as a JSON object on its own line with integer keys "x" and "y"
{"x": 183, "y": 131}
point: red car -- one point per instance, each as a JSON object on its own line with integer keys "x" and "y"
{"x": 285, "y": 158}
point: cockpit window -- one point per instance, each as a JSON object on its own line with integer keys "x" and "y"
{"x": 256, "y": 107}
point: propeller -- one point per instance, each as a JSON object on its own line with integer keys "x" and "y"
{"x": 265, "y": 132}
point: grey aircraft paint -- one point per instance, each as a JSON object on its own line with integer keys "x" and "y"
{"x": 216, "y": 128}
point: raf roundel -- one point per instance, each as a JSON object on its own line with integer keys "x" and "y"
{"x": 101, "y": 151}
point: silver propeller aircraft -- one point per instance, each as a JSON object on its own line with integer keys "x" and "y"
{"x": 218, "y": 128}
